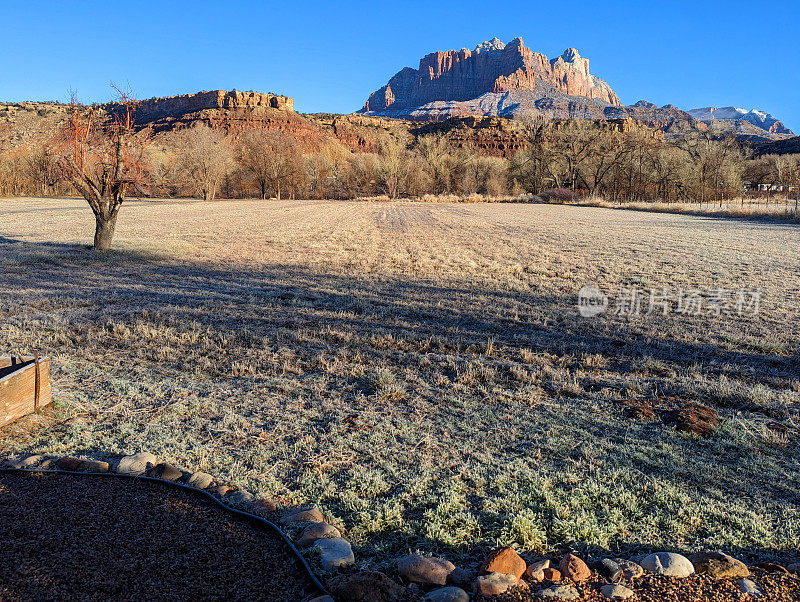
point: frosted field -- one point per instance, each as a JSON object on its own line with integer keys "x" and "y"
{"x": 421, "y": 371}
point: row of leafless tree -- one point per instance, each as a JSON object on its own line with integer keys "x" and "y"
{"x": 100, "y": 157}
{"x": 591, "y": 159}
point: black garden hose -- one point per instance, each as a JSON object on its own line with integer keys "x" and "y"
{"x": 251, "y": 518}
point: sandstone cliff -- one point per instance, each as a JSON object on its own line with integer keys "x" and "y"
{"x": 493, "y": 67}
{"x": 153, "y": 109}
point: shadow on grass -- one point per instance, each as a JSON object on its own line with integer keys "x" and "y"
{"x": 390, "y": 316}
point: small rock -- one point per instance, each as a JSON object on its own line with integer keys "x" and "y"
{"x": 47, "y": 465}
{"x": 96, "y": 466}
{"x": 630, "y": 570}
{"x": 448, "y": 594}
{"x": 667, "y": 563}
{"x": 166, "y": 472}
{"x": 495, "y": 584}
{"x": 574, "y": 568}
{"x": 504, "y": 560}
{"x": 316, "y": 531}
{"x": 200, "y": 480}
{"x": 306, "y": 515}
{"x": 334, "y": 553}
{"x": 222, "y": 490}
{"x": 719, "y": 565}
{"x": 608, "y": 569}
{"x": 553, "y": 575}
{"x": 365, "y": 586}
{"x": 322, "y": 599}
{"x": 240, "y": 498}
{"x": 264, "y": 506}
{"x": 746, "y": 586}
{"x": 26, "y": 462}
{"x": 69, "y": 463}
{"x": 535, "y": 570}
{"x": 422, "y": 569}
{"x": 137, "y": 464}
{"x": 560, "y": 592}
{"x": 616, "y": 592}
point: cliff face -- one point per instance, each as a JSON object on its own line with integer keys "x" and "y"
{"x": 493, "y": 67}
{"x": 154, "y": 109}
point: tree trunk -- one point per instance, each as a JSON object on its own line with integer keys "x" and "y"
{"x": 104, "y": 232}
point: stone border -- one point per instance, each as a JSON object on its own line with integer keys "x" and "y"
{"x": 435, "y": 579}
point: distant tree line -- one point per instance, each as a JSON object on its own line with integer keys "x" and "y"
{"x": 583, "y": 157}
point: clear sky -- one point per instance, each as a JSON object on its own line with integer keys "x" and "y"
{"x": 330, "y": 55}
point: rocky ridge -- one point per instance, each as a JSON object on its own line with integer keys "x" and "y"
{"x": 492, "y": 67}
{"x": 512, "y": 81}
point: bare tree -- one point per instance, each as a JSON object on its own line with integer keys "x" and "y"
{"x": 205, "y": 159}
{"x": 441, "y": 162}
{"x": 271, "y": 158}
{"x": 100, "y": 163}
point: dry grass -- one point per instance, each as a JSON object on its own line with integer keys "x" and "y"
{"x": 420, "y": 370}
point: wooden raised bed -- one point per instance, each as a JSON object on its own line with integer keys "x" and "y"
{"x": 24, "y": 386}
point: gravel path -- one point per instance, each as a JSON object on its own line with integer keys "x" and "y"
{"x": 79, "y": 538}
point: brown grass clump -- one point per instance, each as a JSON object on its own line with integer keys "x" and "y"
{"x": 694, "y": 418}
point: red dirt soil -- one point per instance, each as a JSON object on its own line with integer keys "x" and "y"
{"x": 87, "y": 538}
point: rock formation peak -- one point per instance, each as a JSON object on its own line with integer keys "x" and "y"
{"x": 490, "y": 45}
{"x": 493, "y": 67}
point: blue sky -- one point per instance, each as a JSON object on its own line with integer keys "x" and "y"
{"x": 330, "y": 55}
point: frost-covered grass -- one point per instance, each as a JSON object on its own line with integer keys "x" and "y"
{"x": 420, "y": 370}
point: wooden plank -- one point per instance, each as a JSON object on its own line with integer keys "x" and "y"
{"x": 18, "y": 391}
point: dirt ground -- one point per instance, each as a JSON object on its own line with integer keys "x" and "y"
{"x": 82, "y": 538}
{"x": 421, "y": 371}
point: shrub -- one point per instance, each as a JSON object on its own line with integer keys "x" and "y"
{"x": 559, "y": 195}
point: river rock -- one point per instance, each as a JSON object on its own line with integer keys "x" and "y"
{"x": 136, "y": 464}
{"x": 746, "y": 586}
{"x": 305, "y": 515}
{"x": 200, "y": 480}
{"x": 166, "y": 471}
{"x": 560, "y": 592}
{"x": 535, "y": 570}
{"x": 26, "y": 462}
{"x": 667, "y": 563}
{"x": 423, "y": 569}
{"x": 334, "y": 553}
{"x": 719, "y": 565}
{"x": 630, "y": 570}
{"x": 316, "y": 531}
{"x": 447, "y": 594}
{"x": 495, "y": 584}
{"x": 616, "y": 592}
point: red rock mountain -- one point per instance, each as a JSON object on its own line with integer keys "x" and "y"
{"x": 493, "y": 67}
